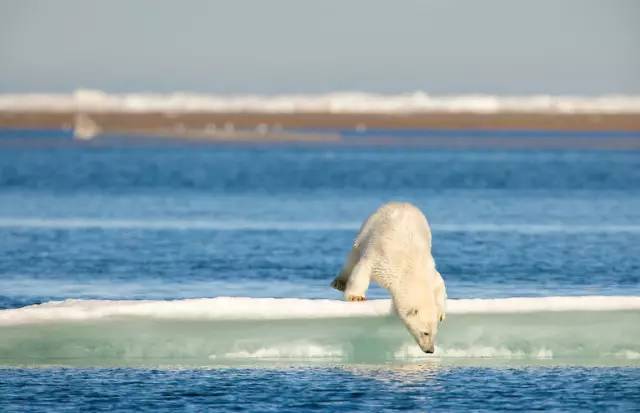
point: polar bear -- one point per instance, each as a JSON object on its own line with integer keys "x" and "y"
{"x": 393, "y": 248}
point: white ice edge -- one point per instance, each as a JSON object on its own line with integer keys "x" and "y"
{"x": 244, "y": 308}
{"x": 337, "y": 102}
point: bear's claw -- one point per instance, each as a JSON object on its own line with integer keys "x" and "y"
{"x": 355, "y": 298}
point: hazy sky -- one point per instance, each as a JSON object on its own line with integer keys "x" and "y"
{"x": 237, "y": 46}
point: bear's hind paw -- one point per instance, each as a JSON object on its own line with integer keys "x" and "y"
{"x": 355, "y": 298}
{"x": 339, "y": 284}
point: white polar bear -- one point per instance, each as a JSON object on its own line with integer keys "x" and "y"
{"x": 393, "y": 248}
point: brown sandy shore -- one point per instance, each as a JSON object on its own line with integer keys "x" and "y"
{"x": 624, "y": 129}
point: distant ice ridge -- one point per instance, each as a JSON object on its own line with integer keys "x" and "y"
{"x": 337, "y": 102}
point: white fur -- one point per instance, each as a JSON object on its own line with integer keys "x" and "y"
{"x": 393, "y": 248}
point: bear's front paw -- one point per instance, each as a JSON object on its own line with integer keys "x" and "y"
{"x": 339, "y": 284}
{"x": 355, "y": 298}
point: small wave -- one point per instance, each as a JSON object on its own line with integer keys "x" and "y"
{"x": 240, "y": 225}
{"x": 229, "y": 329}
{"x": 299, "y": 351}
{"x": 412, "y": 352}
{"x": 628, "y": 354}
{"x": 173, "y": 224}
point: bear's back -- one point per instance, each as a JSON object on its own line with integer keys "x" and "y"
{"x": 397, "y": 241}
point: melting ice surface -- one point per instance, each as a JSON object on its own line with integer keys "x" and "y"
{"x": 233, "y": 330}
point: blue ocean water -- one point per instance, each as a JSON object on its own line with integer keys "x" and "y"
{"x": 345, "y": 389}
{"x": 168, "y": 221}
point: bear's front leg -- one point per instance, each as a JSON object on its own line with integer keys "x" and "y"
{"x": 340, "y": 282}
{"x": 358, "y": 282}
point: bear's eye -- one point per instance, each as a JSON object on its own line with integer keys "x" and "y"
{"x": 424, "y": 333}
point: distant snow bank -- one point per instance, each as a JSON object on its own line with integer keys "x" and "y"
{"x": 338, "y": 102}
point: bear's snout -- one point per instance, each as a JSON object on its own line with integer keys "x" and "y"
{"x": 429, "y": 350}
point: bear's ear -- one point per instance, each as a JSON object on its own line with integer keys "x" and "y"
{"x": 412, "y": 312}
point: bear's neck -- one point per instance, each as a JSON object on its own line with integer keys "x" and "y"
{"x": 413, "y": 290}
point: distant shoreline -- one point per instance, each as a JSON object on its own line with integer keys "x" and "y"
{"x": 446, "y": 129}
{"x": 253, "y": 120}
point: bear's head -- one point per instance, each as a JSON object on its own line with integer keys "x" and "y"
{"x": 421, "y": 308}
{"x": 423, "y": 326}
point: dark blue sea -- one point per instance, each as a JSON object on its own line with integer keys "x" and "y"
{"x": 173, "y": 221}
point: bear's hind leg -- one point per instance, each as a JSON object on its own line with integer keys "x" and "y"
{"x": 358, "y": 282}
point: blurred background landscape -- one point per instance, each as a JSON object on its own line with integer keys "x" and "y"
{"x": 427, "y": 74}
